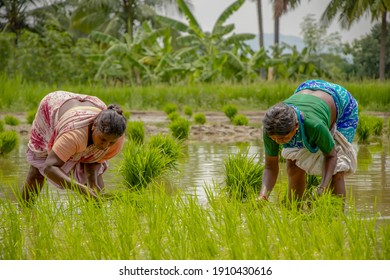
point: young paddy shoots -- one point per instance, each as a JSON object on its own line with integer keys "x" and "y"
{"x": 180, "y": 128}
{"x": 8, "y": 141}
{"x": 243, "y": 176}
{"x": 136, "y": 131}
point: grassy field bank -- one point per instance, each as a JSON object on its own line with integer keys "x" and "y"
{"x": 16, "y": 96}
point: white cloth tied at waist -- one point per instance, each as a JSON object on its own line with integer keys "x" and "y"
{"x": 312, "y": 162}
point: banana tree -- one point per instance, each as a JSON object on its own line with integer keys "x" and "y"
{"x": 208, "y": 55}
{"x": 146, "y": 58}
{"x": 298, "y": 65}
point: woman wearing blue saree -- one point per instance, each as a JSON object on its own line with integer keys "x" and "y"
{"x": 316, "y": 126}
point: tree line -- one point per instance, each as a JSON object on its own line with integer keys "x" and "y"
{"x": 133, "y": 42}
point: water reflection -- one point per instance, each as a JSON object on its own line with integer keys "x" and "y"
{"x": 203, "y": 165}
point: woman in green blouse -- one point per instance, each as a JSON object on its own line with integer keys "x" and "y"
{"x": 316, "y": 126}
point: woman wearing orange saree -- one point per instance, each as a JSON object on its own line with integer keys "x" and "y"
{"x": 71, "y": 139}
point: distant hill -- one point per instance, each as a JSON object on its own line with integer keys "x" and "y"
{"x": 269, "y": 41}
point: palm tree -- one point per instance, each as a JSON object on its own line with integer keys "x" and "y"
{"x": 209, "y": 53}
{"x": 281, "y": 7}
{"x": 119, "y": 16}
{"x": 14, "y": 15}
{"x": 350, "y": 11}
{"x": 259, "y": 8}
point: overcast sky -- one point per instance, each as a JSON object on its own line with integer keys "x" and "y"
{"x": 245, "y": 19}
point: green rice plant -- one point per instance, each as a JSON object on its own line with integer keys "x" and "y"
{"x": 187, "y": 111}
{"x": 11, "y": 120}
{"x": 31, "y": 116}
{"x": 376, "y": 125}
{"x": 136, "y": 131}
{"x": 152, "y": 224}
{"x": 243, "y": 176}
{"x": 173, "y": 116}
{"x": 230, "y": 110}
{"x": 170, "y": 108}
{"x": 312, "y": 181}
{"x": 8, "y": 141}
{"x": 240, "y": 119}
{"x": 200, "y": 118}
{"x": 126, "y": 114}
{"x": 363, "y": 130}
{"x": 180, "y": 128}
{"x": 169, "y": 147}
{"x": 281, "y": 158}
{"x": 2, "y": 127}
{"x": 142, "y": 165}
{"x": 388, "y": 126}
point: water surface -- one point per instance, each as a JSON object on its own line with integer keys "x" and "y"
{"x": 203, "y": 165}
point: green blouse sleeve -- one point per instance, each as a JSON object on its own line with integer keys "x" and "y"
{"x": 319, "y": 135}
{"x": 270, "y": 146}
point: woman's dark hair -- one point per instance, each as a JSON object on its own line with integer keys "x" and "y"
{"x": 280, "y": 119}
{"x": 111, "y": 121}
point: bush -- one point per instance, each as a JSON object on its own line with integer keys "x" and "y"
{"x": 8, "y": 141}
{"x": 240, "y": 120}
{"x": 11, "y": 120}
{"x": 136, "y": 131}
{"x": 200, "y": 118}
{"x": 230, "y": 111}
{"x": 180, "y": 128}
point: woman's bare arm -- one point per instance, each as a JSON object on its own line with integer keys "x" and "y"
{"x": 54, "y": 172}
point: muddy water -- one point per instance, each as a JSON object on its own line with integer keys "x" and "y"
{"x": 203, "y": 163}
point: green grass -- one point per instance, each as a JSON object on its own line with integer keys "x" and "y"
{"x": 17, "y": 95}
{"x": 152, "y": 225}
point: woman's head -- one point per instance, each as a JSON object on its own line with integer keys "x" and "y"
{"x": 280, "y": 123}
{"x": 109, "y": 125}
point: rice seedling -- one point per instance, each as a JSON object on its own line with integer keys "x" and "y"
{"x": 200, "y": 118}
{"x": 170, "y": 108}
{"x": 388, "y": 126}
{"x": 240, "y": 119}
{"x": 230, "y": 110}
{"x": 377, "y": 125}
{"x": 173, "y": 116}
{"x": 180, "y": 128}
{"x": 312, "y": 181}
{"x": 363, "y": 130}
{"x": 136, "y": 131}
{"x": 243, "y": 176}
{"x": 169, "y": 147}
{"x": 126, "y": 114}
{"x": 152, "y": 224}
{"x": 141, "y": 165}
{"x": 31, "y": 116}
{"x": 2, "y": 127}
{"x": 11, "y": 120}
{"x": 187, "y": 111}
{"x": 8, "y": 141}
